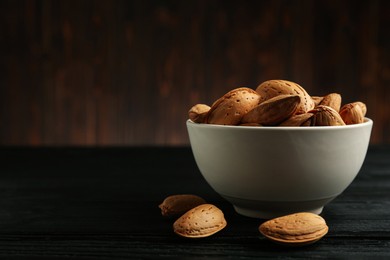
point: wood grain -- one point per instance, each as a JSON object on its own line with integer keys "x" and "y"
{"x": 102, "y": 203}
{"x": 126, "y": 72}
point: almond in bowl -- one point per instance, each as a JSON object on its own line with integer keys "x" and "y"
{"x": 284, "y": 158}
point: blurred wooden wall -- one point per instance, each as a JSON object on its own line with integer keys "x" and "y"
{"x": 126, "y": 72}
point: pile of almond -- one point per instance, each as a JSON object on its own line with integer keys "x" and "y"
{"x": 278, "y": 103}
{"x": 199, "y": 219}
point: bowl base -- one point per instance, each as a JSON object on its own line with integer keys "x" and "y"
{"x": 273, "y": 209}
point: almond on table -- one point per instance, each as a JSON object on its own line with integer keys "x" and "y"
{"x": 201, "y": 221}
{"x": 296, "y": 229}
{"x": 175, "y": 205}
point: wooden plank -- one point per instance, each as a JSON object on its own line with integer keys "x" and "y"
{"x": 85, "y": 202}
{"x": 126, "y": 72}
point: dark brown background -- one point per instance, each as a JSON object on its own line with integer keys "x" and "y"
{"x": 126, "y": 72}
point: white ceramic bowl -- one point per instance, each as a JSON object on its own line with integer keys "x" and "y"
{"x": 267, "y": 172}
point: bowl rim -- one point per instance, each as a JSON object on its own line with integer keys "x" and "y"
{"x": 367, "y": 122}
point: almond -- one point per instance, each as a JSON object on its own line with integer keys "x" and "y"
{"x": 332, "y": 100}
{"x": 201, "y": 221}
{"x": 326, "y": 116}
{"x": 362, "y": 106}
{"x": 271, "y": 88}
{"x": 231, "y": 107}
{"x": 295, "y": 229}
{"x": 198, "y": 113}
{"x": 175, "y": 205}
{"x": 353, "y": 113}
{"x": 317, "y": 100}
{"x": 298, "y": 120}
{"x": 273, "y": 111}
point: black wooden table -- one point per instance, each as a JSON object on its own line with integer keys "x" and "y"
{"x": 102, "y": 203}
